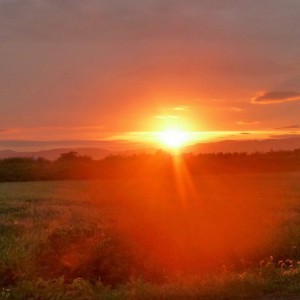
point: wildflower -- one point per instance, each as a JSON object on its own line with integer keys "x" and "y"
{"x": 262, "y": 263}
{"x": 243, "y": 263}
{"x": 280, "y": 263}
{"x": 224, "y": 268}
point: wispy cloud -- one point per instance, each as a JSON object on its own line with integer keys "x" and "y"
{"x": 231, "y": 108}
{"x": 166, "y": 117}
{"x": 6, "y": 130}
{"x": 182, "y": 108}
{"x": 288, "y": 127}
{"x": 285, "y": 136}
{"x": 276, "y": 97}
{"x": 247, "y": 122}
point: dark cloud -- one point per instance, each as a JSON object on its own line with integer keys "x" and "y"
{"x": 288, "y": 127}
{"x": 245, "y": 133}
{"x": 276, "y": 97}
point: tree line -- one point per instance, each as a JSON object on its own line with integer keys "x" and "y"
{"x": 71, "y": 165}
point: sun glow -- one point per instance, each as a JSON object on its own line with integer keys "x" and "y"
{"x": 173, "y": 138}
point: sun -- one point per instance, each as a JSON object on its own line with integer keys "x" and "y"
{"x": 173, "y": 138}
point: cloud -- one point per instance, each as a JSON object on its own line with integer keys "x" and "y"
{"x": 288, "y": 127}
{"x": 6, "y": 130}
{"x": 276, "y": 97}
{"x": 285, "y": 136}
{"x": 233, "y": 108}
{"x": 245, "y": 133}
{"x": 247, "y": 122}
{"x": 166, "y": 117}
{"x": 182, "y": 108}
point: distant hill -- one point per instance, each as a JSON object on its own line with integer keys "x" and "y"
{"x": 245, "y": 146}
{"x": 211, "y": 147}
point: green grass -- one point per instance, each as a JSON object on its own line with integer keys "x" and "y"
{"x": 194, "y": 238}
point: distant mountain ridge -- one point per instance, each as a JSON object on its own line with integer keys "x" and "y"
{"x": 209, "y": 147}
{"x": 245, "y": 145}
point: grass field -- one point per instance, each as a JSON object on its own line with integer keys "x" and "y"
{"x": 209, "y": 237}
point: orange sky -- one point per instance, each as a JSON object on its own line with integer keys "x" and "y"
{"x": 77, "y": 70}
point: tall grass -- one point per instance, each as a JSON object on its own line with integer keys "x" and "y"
{"x": 142, "y": 239}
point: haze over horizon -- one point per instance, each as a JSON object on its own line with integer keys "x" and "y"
{"x": 119, "y": 70}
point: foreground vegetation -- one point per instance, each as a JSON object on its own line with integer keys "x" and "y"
{"x": 215, "y": 237}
